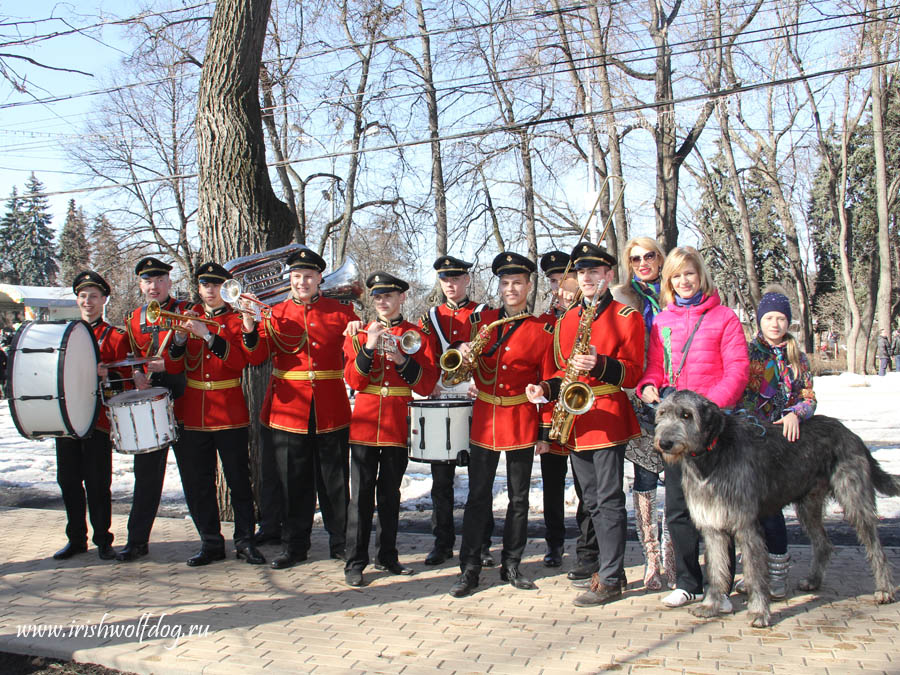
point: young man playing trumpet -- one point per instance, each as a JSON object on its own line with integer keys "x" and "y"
{"x": 506, "y": 356}
{"x": 215, "y": 420}
{"x": 614, "y": 359}
{"x": 384, "y": 372}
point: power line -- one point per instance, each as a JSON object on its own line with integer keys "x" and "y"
{"x": 464, "y": 135}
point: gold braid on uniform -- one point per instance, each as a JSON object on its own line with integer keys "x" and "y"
{"x": 281, "y": 340}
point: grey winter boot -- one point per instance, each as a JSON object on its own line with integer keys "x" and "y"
{"x": 779, "y": 564}
{"x": 645, "y": 523}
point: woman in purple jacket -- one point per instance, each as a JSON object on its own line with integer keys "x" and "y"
{"x": 696, "y": 343}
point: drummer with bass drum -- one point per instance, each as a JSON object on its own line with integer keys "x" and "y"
{"x": 84, "y": 466}
{"x": 215, "y": 419}
{"x": 385, "y": 364}
{"x": 444, "y": 325}
{"x": 151, "y": 339}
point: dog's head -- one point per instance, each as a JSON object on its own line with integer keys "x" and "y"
{"x": 686, "y": 424}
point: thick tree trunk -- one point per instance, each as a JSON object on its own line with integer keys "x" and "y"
{"x": 883, "y": 308}
{"x": 239, "y": 212}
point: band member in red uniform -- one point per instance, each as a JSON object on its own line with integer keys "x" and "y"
{"x": 447, "y": 324}
{"x": 503, "y": 420}
{"x": 215, "y": 420}
{"x": 598, "y": 436}
{"x": 84, "y": 466}
{"x": 384, "y": 378}
{"x": 152, "y": 341}
{"x": 306, "y": 414}
{"x": 554, "y": 463}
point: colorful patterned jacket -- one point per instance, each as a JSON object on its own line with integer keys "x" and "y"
{"x": 773, "y": 390}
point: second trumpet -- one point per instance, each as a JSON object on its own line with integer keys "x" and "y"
{"x": 232, "y": 293}
{"x": 155, "y": 313}
{"x": 408, "y": 343}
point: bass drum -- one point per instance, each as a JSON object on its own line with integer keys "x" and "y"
{"x": 53, "y": 385}
{"x": 439, "y": 431}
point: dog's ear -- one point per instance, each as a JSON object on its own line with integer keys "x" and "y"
{"x": 713, "y": 420}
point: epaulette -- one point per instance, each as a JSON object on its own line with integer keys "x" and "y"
{"x": 626, "y": 310}
{"x": 120, "y": 331}
{"x": 344, "y": 302}
{"x": 426, "y": 324}
{"x": 474, "y": 317}
{"x": 548, "y": 328}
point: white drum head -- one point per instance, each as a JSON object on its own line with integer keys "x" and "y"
{"x": 80, "y": 380}
{"x": 133, "y": 396}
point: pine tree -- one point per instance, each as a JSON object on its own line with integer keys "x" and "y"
{"x": 38, "y": 267}
{"x": 11, "y": 237}
{"x": 111, "y": 263}
{"x": 74, "y": 253}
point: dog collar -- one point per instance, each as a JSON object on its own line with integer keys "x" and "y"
{"x": 709, "y": 448}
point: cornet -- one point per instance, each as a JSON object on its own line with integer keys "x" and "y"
{"x": 231, "y": 293}
{"x": 155, "y": 313}
{"x": 408, "y": 343}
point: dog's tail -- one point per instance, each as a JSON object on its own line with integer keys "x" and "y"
{"x": 884, "y": 482}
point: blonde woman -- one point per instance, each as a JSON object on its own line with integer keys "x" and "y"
{"x": 643, "y": 268}
{"x": 696, "y": 343}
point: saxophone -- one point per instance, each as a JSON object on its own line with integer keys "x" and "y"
{"x": 457, "y": 369}
{"x": 575, "y": 397}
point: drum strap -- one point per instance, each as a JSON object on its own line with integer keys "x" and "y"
{"x": 103, "y": 335}
{"x": 440, "y": 331}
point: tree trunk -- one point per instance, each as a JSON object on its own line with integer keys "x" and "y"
{"x": 883, "y": 309}
{"x": 238, "y": 210}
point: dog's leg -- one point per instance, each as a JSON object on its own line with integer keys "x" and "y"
{"x": 854, "y": 492}
{"x": 756, "y": 574}
{"x": 809, "y": 512}
{"x": 718, "y": 571}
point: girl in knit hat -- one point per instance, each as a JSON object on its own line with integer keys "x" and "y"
{"x": 780, "y": 391}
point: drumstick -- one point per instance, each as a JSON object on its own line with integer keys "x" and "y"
{"x": 163, "y": 344}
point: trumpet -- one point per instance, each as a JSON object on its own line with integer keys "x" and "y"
{"x": 155, "y": 313}
{"x": 231, "y": 293}
{"x": 408, "y": 343}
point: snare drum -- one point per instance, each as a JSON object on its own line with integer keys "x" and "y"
{"x": 439, "y": 431}
{"x": 53, "y": 383}
{"x": 142, "y": 421}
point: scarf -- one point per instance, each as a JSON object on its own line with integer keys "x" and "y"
{"x": 695, "y": 299}
{"x": 649, "y": 292}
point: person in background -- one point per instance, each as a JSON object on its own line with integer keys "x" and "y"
{"x": 780, "y": 391}
{"x": 696, "y": 343}
{"x": 895, "y": 350}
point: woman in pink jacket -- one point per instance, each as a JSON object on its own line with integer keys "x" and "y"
{"x": 696, "y": 343}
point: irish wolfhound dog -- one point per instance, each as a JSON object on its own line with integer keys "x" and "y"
{"x": 736, "y": 470}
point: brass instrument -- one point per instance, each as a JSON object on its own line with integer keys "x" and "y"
{"x": 155, "y": 313}
{"x": 458, "y": 368}
{"x": 575, "y": 397}
{"x": 408, "y": 343}
{"x": 267, "y": 276}
{"x": 231, "y": 293}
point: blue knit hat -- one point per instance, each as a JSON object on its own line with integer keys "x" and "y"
{"x": 773, "y": 302}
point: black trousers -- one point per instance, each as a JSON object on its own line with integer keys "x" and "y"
{"x": 586, "y": 547}
{"x": 271, "y": 499}
{"x": 478, "y": 515}
{"x": 84, "y": 466}
{"x": 553, "y": 479}
{"x": 442, "y": 525}
{"x": 685, "y": 536}
{"x": 149, "y": 474}
{"x": 310, "y": 464}
{"x": 601, "y": 473}
{"x": 375, "y": 476}
{"x": 196, "y": 456}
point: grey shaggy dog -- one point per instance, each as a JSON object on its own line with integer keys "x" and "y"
{"x": 736, "y": 470}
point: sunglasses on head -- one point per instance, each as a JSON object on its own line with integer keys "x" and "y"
{"x": 648, "y": 257}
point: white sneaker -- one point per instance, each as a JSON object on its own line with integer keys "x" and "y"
{"x": 679, "y": 598}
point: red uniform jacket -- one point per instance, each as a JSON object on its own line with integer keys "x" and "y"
{"x": 453, "y": 323}
{"x": 546, "y": 411}
{"x": 140, "y": 337}
{"x": 113, "y": 345}
{"x": 383, "y": 390}
{"x": 307, "y": 364}
{"x": 618, "y": 335}
{"x": 214, "y": 398}
{"x": 502, "y": 417}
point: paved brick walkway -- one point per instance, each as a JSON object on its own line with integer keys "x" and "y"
{"x": 305, "y": 619}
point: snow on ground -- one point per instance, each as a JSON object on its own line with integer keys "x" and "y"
{"x": 870, "y": 406}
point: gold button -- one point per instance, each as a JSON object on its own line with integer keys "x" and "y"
{"x": 384, "y": 391}
{"x": 312, "y": 375}
{"x": 504, "y": 367}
